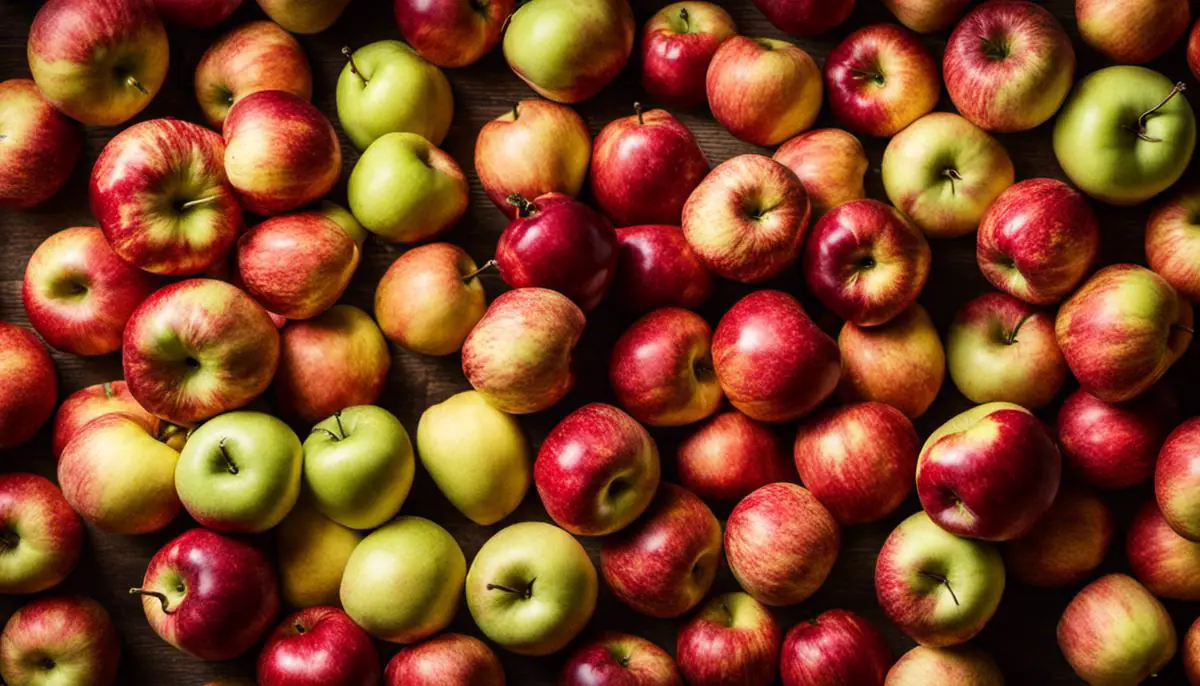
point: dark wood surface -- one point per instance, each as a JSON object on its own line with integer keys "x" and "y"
{"x": 1022, "y": 634}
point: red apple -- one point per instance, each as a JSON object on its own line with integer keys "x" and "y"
{"x": 1068, "y": 543}
{"x": 805, "y": 18}
{"x": 256, "y": 56}
{"x": 318, "y": 646}
{"x": 430, "y": 298}
{"x": 657, "y": 268}
{"x": 830, "y": 163}
{"x": 28, "y": 388}
{"x": 41, "y": 146}
{"x": 1132, "y": 33}
{"x": 79, "y": 294}
{"x": 448, "y": 658}
{"x": 452, "y": 33}
{"x": 764, "y": 91}
{"x": 89, "y": 403}
{"x": 616, "y": 658}
{"x": 901, "y": 363}
{"x": 927, "y": 16}
{"x": 836, "y": 647}
{"x": 731, "y": 456}
{"x": 665, "y": 562}
{"x": 772, "y": 361}
{"x": 297, "y": 265}
{"x": 881, "y": 78}
{"x": 1162, "y": 559}
{"x": 1173, "y": 240}
{"x": 732, "y": 640}
{"x": 1193, "y": 60}
{"x": 40, "y": 535}
{"x": 1177, "y": 479}
{"x": 923, "y": 666}
{"x": 196, "y": 14}
{"x": 1114, "y": 445}
{"x": 678, "y": 43}
{"x": 60, "y": 640}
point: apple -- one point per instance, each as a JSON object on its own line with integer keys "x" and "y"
{"x": 358, "y": 466}
{"x": 866, "y": 261}
{"x": 296, "y": 265}
{"x": 1009, "y": 66}
{"x": 1191, "y": 653}
{"x": 1177, "y": 479}
{"x": 772, "y": 361}
{"x": 596, "y": 471}
{"x": 209, "y": 595}
{"x": 256, "y": 56}
{"x": 1038, "y": 241}
{"x": 41, "y": 146}
{"x": 113, "y": 492}
{"x": 89, "y": 403}
{"x": 304, "y": 16}
{"x": 657, "y": 268}
{"x": 79, "y": 294}
{"x": 430, "y": 298}
{"x": 196, "y": 14}
{"x": 830, "y": 163}
{"x": 1122, "y": 330}
{"x": 1114, "y": 631}
{"x": 416, "y": 555}
{"x": 404, "y": 190}
{"x": 318, "y": 646}
{"x": 1132, "y": 34}
{"x": 881, "y": 78}
{"x": 519, "y": 354}
{"x": 1115, "y": 445}
{"x": 386, "y": 87}
{"x": 456, "y": 658}
{"x": 927, "y": 16}
{"x": 29, "y": 390}
{"x": 62, "y": 639}
{"x": 944, "y": 172}
{"x": 559, "y": 243}
{"x": 785, "y": 83}
{"x": 747, "y": 219}
{"x": 1171, "y": 241}
{"x": 98, "y": 61}
{"x": 923, "y": 665}
{"x": 452, "y": 33}
{"x": 858, "y": 460}
{"x": 664, "y": 563}
{"x": 535, "y": 148}
{"x": 198, "y": 348}
{"x": 1125, "y": 150}
{"x": 40, "y": 534}
{"x": 1068, "y": 543}
{"x": 939, "y": 589}
{"x": 901, "y": 363}
{"x": 614, "y": 657}
{"x": 1193, "y": 50}
{"x": 678, "y": 44}
{"x": 1002, "y": 349}
{"x": 312, "y": 551}
{"x": 732, "y": 639}
{"x": 805, "y": 18}
{"x": 566, "y": 51}
{"x": 280, "y": 152}
{"x": 1160, "y": 558}
{"x": 836, "y": 647}
{"x": 514, "y": 613}
{"x": 729, "y": 457}
{"x": 477, "y": 456}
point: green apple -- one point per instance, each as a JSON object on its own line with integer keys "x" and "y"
{"x": 358, "y": 466}
{"x": 387, "y": 87}
{"x": 240, "y": 472}
{"x": 304, "y": 16}
{"x": 525, "y": 617}
{"x": 404, "y": 581}
{"x": 343, "y": 218}
{"x": 313, "y": 551}
{"x": 405, "y": 190}
{"x": 1125, "y": 135}
{"x": 477, "y": 455}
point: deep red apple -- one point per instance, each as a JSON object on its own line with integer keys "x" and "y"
{"x": 1068, "y": 543}
{"x": 318, "y": 646}
{"x": 731, "y": 456}
{"x": 447, "y": 658}
{"x": 40, "y": 144}
{"x": 1160, "y": 558}
{"x": 732, "y": 640}
{"x": 615, "y": 658}
{"x": 28, "y": 385}
{"x": 452, "y": 33}
{"x": 805, "y": 18}
{"x": 657, "y": 268}
{"x": 678, "y": 43}
{"x": 1177, "y": 479}
{"x": 836, "y": 647}
{"x": 1114, "y": 445}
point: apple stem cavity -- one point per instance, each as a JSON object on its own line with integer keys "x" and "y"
{"x": 162, "y": 598}
{"x": 131, "y": 80}
{"x": 1139, "y": 129}
{"x": 524, "y": 207}
{"x": 637, "y": 109}
{"x": 945, "y": 582}
{"x": 486, "y": 266}
{"x": 995, "y": 49}
{"x": 353, "y": 67}
{"x": 525, "y": 595}
{"x": 1185, "y": 329}
{"x": 9, "y": 539}
{"x": 229, "y": 463}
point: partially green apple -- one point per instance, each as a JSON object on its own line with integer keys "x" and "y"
{"x": 387, "y": 87}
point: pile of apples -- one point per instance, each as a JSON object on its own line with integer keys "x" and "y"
{"x": 216, "y": 268}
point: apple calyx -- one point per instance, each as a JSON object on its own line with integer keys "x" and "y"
{"x": 943, "y": 581}
{"x": 229, "y": 463}
{"x": 995, "y": 49}
{"x": 525, "y": 207}
{"x": 353, "y": 67}
{"x": 524, "y": 595}
{"x": 161, "y": 597}
{"x": 1139, "y": 129}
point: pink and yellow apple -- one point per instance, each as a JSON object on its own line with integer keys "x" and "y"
{"x": 835, "y": 647}
{"x": 1115, "y": 632}
{"x": 40, "y": 534}
{"x": 1177, "y": 479}
{"x": 731, "y": 456}
{"x": 1068, "y": 543}
{"x": 927, "y": 16}
{"x": 1132, "y": 32}
{"x": 764, "y": 91}
{"x": 923, "y": 666}
{"x": 297, "y": 265}
{"x": 1160, "y": 558}
{"x": 831, "y": 164}
{"x": 41, "y": 146}
{"x": 89, "y": 403}
{"x": 900, "y": 363}
{"x": 430, "y": 298}
{"x": 256, "y": 56}
{"x": 28, "y": 385}
{"x": 1173, "y": 242}
{"x": 60, "y": 639}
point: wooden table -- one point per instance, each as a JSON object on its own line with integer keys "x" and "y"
{"x": 1022, "y": 634}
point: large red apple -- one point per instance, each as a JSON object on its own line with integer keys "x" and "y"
{"x": 732, "y": 640}
{"x": 318, "y": 646}
{"x": 28, "y": 387}
{"x": 453, "y": 658}
{"x": 617, "y": 658}
{"x": 1177, "y": 479}
{"x": 89, "y": 403}
{"x": 1068, "y": 543}
{"x": 452, "y": 33}
{"x": 731, "y": 456}
{"x": 41, "y": 145}
{"x": 253, "y": 57}
{"x": 1114, "y": 445}
{"x": 297, "y": 265}
{"x": 835, "y": 647}
{"x": 657, "y": 268}
{"x": 764, "y": 91}
{"x": 901, "y": 363}
{"x": 678, "y": 44}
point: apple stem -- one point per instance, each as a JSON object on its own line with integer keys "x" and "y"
{"x": 637, "y": 109}
{"x": 944, "y": 581}
{"x": 1140, "y": 130}
{"x": 327, "y": 432}
{"x": 337, "y": 418}
{"x": 108, "y": 389}
{"x": 200, "y": 201}
{"x": 486, "y": 266}
{"x": 526, "y": 594}
{"x": 162, "y": 598}
{"x": 953, "y": 175}
{"x": 524, "y": 207}
{"x": 233, "y": 468}
{"x": 683, "y": 16}
{"x": 353, "y": 67}
{"x": 131, "y": 80}
{"x": 516, "y": 113}
{"x": 869, "y": 75}
{"x": 1186, "y": 329}
{"x": 1011, "y": 338}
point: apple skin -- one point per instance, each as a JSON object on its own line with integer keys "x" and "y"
{"x": 678, "y": 44}
{"x": 1000, "y": 349}
{"x": 318, "y": 646}
{"x": 74, "y": 634}
{"x": 730, "y": 457}
{"x": 858, "y": 460}
{"x": 312, "y": 551}
{"x": 835, "y": 647}
{"x": 764, "y": 91}
{"x": 1115, "y": 632}
{"x": 927, "y": 16}
{"x": 596, "y": 471}
{"x": 1173, "y": 241}
{"x": 1018, "y": 75}
{"x": 41, "y": 146}
{"x": 866, "y": 261}
{"x": 519, "y": 354}
{"x": 773, "y": 362}
{"x": 939, "y": 589}
{"x": 1068, "y": 543}
{"x": 452, "y": 33}
{"x": 1177, "y": 479}
{"x": 386, "y": 87}
{"x": 805, "y": 18}
{"x": 618, "y": 658}
{"x": 196, "y": 14}
{"x": 959, "y": 665}
{"x": 1191, "y": 653}
{"x": 1038, "y": 240}
{"x": 733, "y": 639}
{"x": 901, "y": 363}
{"x": 1160, "y": 558}
{"x": 644, "y": 167}
{"x": 657, "y": 268}
{"x": 537, "y": 147}
{"x": 430, "y": 298}
{"x": 666, "y": 561}
{"x": 41, "y": 535}
{"x": 197, "y": 348}
{"x": 661, "y": 369}
{"x": 256, "y": 56}
{"x": 830, "y": 163}
{"x": 297, "y": 265}
{"x": 304, "y": 16}
{"x": 280, "y": 152}
{"x": 880, "y": 79}
{"x": 446, "y": 659}
{"x": 89, "y": 403}
{"x": 79, "y": 294}
{"x": 748, "y": 195}
{"x": 75, "y": 47}
{"x": 1122, "y": 330}
{"x": 28, "y": 394}
{"x": 1132, "y": 33}
{"x": 1115, "y": 445}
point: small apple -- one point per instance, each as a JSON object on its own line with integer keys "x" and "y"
{"x": 732, "y": 639}
{"x": 805, "y": 18}
{"x": 256, "y": 56}
{"x": 880, "y": 79}
{"x": 304, "y": 16}
{"x": 1068, "y": 543}
{"x": 678, "y": 44}
{"x": 729, "y": 457}
{"x": 1132, "y": 34}
{"x": 430, "y": 298}
{"x": 830, "y": 163}
{"x": 1172, "y": 245}
{"x": 296, "y": 265}
{"x": 40, "y": 534}
{"x": 318, "y": 646}
{"x": 836, "y": 647}
{"x": 764, "y": 91}
{"x": 312, "y": 551}
{"x": 41, "y": 146}
{"x": 452, "y": 658}
{"x": 901, "y": 363}
{"x": 60, "y": 640}
{"x": 1160, "y": 558}
{"x": 1115, "y": 445}
{"x": 927, "y": 16}
{"x": 614, "y": 657}
{"x": 1177, "y": 479}
{"x": 657, "y": 268}
{"x": 452, "y": 33}
{"x": 386, "y": 87}
{"x": 29, "y": 391}
{"x": 1115, "y": 632}
{"x": 923, "y": 665}
{"x": 89, "y": 403}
